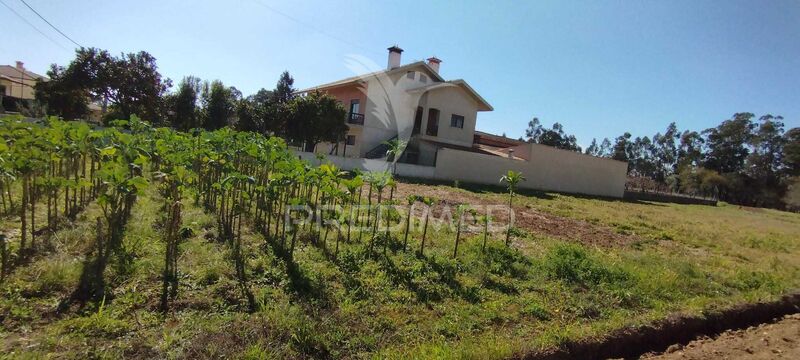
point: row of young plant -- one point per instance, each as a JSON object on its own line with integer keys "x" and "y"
{"x": 238, "y": 176}
{"x": 245, "y": 177}
{"x": 64, "y": 166}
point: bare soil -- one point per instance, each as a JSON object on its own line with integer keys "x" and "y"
{"x": 740, "y": 329}
{"x": 779, "y": 340}
{"x": 531, "y": 220}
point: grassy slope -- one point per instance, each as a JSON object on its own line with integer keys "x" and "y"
{"x": 690, "y": 258}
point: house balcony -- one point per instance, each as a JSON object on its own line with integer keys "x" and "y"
{"x": 355, "y": 118}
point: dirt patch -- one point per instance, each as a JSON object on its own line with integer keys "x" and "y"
{"x": 663, "y": 335}
{"x": 570, "y": 229}
{"x": 529, "y": 219}
{"x": 767, "y": 341}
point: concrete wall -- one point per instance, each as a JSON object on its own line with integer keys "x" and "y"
{"x": 548, "y": 169}
{"x": 405, "y": 170}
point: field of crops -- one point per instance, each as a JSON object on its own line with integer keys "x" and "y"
{"x": 141, "y": 242}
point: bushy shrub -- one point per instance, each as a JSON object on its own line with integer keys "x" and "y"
{"x": 571, "y": 263}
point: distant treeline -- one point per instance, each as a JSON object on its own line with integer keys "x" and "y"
{"x": 131, "y": 84}
{"x": 743, "y": 160}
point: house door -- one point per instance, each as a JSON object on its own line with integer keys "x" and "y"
{"x": 417, "y": 121}
{"x": 433, "y": 122}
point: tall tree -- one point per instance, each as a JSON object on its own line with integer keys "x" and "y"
{"x": 284, "y": 90}
{"x": 555, "y": 137}
{"x": 593, "y": 149}
{"x": 534, "y": 130}
{"x": 690, "y": 150}
{"x": 665, "y": 152}
{"x": 767, "y": 142}
{"x": 130, "y": 84}
{"x": 314, "y": 118}
{"x": 248, "y": 116}
{"x": 622, "y": 148}
{"x": 138, "y": 87}
{"x": 184, "y": 104}
{"x": 605, "y": 148}
{"x": 727, "y": 144}
{"x": 60, "y": 98}
{"x": 764, "y": 162}
{"x": 641, "y": 157}
{"x": 791, "y": 152}
{"x": 272, "y": 115}
{"x": 220, "y": 105}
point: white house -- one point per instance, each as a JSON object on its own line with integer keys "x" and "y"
{"x": 437, "y": 118}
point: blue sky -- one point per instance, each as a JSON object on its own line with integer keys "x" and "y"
{"x": 600, "y": 68}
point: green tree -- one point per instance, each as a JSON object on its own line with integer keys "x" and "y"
{"x": 555, "y": 137}
{"x": 284, "y": 90}
{"x": 125, "y": 85}
{"x": 622, "y": 148}
{"x": 248, "y": 116}
{"x": 767, "y": 145}
{"x": 138, "y": 88}
{"x": 593, "y": 149}
{"x": 314, "y": 118}
{"x": 791, "y": 152}
{"x": 665, "y": 152}
{"x": 184, "y": 104}
{"x": 61, "y": 98}
{"x": 690, "y": 150}
{"x": 727, "y": 144}
{"x": 641, "y": 157}
{"x": 219, "y": 105}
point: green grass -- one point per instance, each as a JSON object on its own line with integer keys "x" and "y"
{"x": 482, "y": 305}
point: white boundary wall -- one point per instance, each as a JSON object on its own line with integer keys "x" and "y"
{"x": 548, "y": 169}
{"x": 406, "y": 170}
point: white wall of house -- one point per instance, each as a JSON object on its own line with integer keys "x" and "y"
{"x": 387, "y": 91}
{"x": 406, "y": 170}
{"x": 452, "y": 100}
{"x": 548, "y": 169}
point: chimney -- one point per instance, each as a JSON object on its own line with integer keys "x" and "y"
{"x": 394, "y": 57}
{"x": 510, "y": 153}
{"x": 20, "y": 65}
{"x": 434, "y": 62}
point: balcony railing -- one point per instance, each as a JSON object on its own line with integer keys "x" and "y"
{"x": 355, "y": 118}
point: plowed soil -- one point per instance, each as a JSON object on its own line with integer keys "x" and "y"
{"x": 531, "y": 220}
{"x": 779, "y": 340}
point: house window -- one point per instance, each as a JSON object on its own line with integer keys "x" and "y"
{"x": 2, "y": 89}
{"x": 433, "y": 122}
{"x": 423, "y": 78}
{"x": 351, "y": 140}
{"x": 355, "y": 117}
{"x": 457, "y": 121}
{"x": 410, "y": 75}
